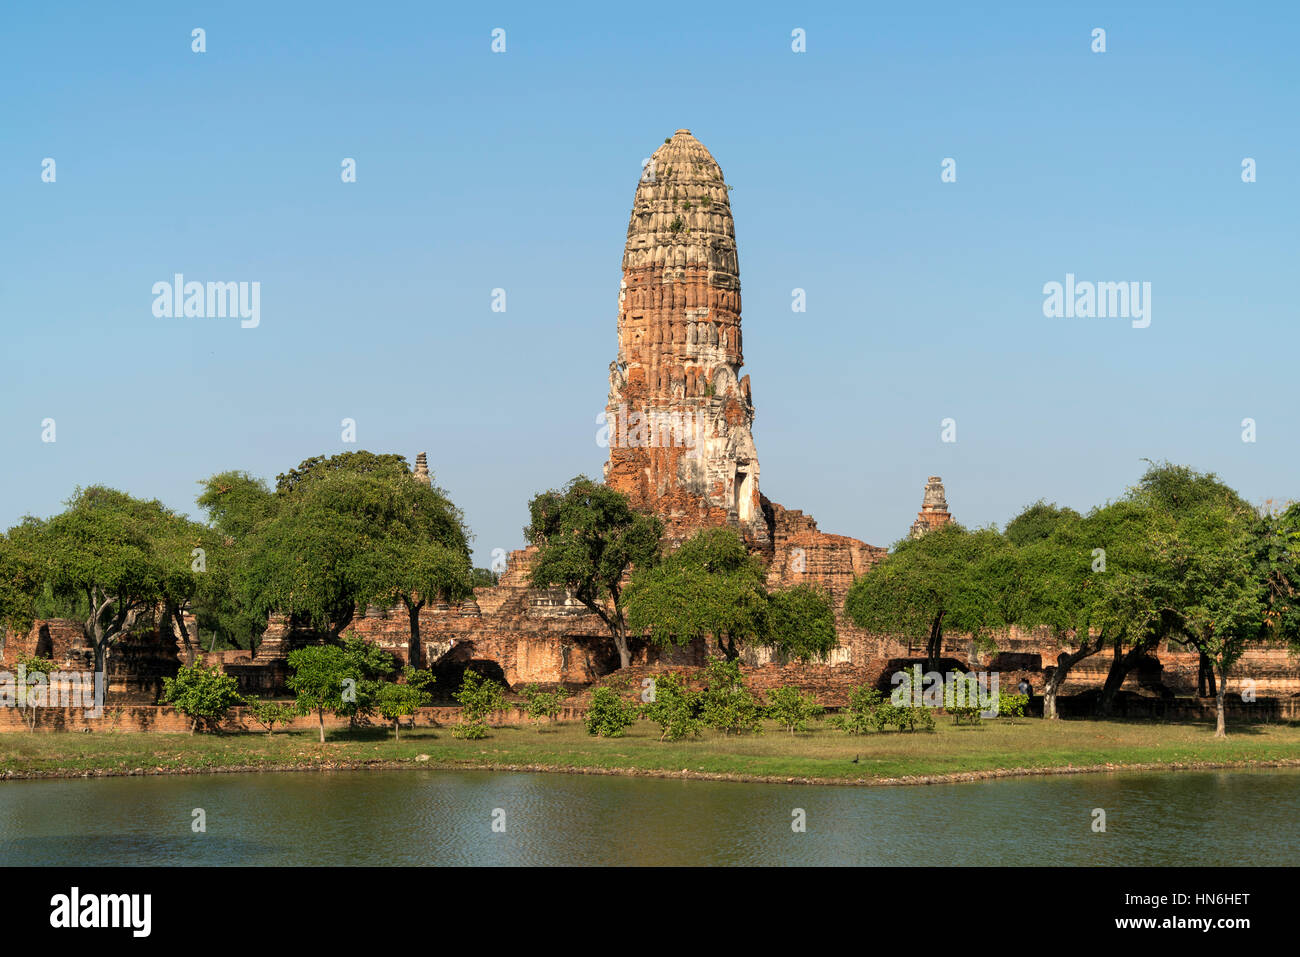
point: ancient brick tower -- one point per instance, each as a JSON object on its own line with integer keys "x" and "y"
{"x": 679, "y": 415}
{"x": 934, "y": 508}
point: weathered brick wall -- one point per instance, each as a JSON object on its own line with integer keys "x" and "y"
{"x": 137, "y": 662}
{"x": 535, "y": 636}
{"x": 163, "y": 718}
{"x": 60, "y": 639}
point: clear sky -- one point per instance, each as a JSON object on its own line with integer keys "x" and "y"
{"x": 478, "y": 170}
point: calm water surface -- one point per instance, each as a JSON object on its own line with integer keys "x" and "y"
{"x": 446, "y": 817}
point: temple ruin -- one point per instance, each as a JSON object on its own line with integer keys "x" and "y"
{"x": 934, "y": 509}
{"x": 680, "y": 417}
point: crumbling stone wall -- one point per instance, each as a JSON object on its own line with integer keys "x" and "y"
{"x": 137, "y": 662}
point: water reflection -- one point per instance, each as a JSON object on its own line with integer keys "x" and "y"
{"x": 446, "y": 818}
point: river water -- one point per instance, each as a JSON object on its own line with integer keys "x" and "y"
{"x": 431, "y": 817}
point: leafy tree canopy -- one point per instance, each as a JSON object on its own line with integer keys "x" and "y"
{"x": 588, "y": 537}
{"x": 1037, "y": 522}
{"x": 117, "y": 554}
{"x": 711, "y": 586}
{"x": 360, "y": 462}
{"x": 950, "y": 578}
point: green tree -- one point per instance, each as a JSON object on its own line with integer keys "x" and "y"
{"x": 712, "y": 587}
{"x": 203, "y": 695}
{"x": 395, "y": 701}
{"x": 948, "y": 579}
{"x": 368, "y": 667}
{"x": 415, "y": 571}
{"x": 1146, "y": 598}
{"x": 675, "y": 708}
{"x": 608, "y": 715}
{"x": 339, "y": 533}
{"x": 20, "y": 579}
{"x": 726, "y": 705}
{"x": 270, "y": 713}
{"x": 237, "y": 506}
{"x": 1037, "y": 522}
{"x": 1220, "y": 596}
{"x": 354, "y": 529}
{"x": 1278, "y": 555}
{"x": 1079, "y": 580}
{"x": 483, "y": 577}
{"x": 120, "y": 556}
{"x": 588, "y": 537}
{"x": 792, "y": 709}
{"x": 359, "y": 462}
{"x": 859, "y": 716}
{"x": 544, "y": 704}
{"x": 317, "y": 679}
{"x": 801, "y": 622}
{"x": 33, "y": 686}
{"x": 479, "y": 699}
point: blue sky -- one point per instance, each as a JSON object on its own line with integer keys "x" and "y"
{"x": 478, "y": 171}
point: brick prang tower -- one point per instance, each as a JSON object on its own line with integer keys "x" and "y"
{"x": 679, "y": 414}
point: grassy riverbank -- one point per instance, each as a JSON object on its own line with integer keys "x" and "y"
{"x": 993, "y": 748}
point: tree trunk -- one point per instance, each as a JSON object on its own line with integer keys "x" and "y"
{"x": 414, "y": 652}
{"x": 1120, "y": 666}
{"x": 1051, "y": 687}
{"x": 397, "y": 735}
{"x": 1205, "y": 686}
{"x": 613, "y": 619}
{"x": 101, "y": 659}
{"x": 935, "y": 644}
{"x": 175, "y": 618}
{"x": 620, "y": 642}
{"x": 1064, "y": 662}
{"x": 1220, "y": 713}
{"x": 320, "y": 715}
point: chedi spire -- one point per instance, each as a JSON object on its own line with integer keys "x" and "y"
{"x": 679, "y": 414}
{"x": 934, "y": 509}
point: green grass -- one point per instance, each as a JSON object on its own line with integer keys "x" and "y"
{"x": 821, "y": 754}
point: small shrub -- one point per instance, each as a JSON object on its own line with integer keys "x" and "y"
{"x": 479, "y": 698}
{"x": 396, "y": 701}
{"x": 792, "y": 709}
{"x": 1012, "y": 705}
{"x": 860, "y": 715}
{"x": 469, "y": 730}
{"x": 903, "y": 717}
{"x": 270, "y": 713}
{"x": 541, "y": 704}
{"x": 675, "y": 708}
{"x": 608, "y": 715}
{"x": 202, "y": 694}
{"x": 726, "y": 704}
{"x": 37, "y": 672}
